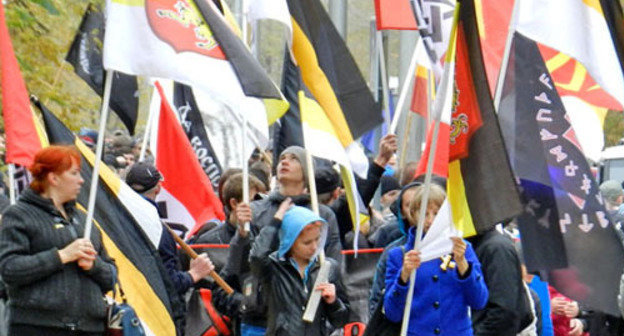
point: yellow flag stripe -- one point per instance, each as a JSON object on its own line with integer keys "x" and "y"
{"x": 421, "y": 72}
{"x": 41, "y": 133}
{"x": 557, "y": 62}
{"x": 315, "y": 79}
{"x": 134, "y": 3}
{"x": 595, "y": 5}
{"x": 452, "y": 47}
{"x": 275, "y": 109}
{"x": 230, "y": 19}
{"x": 312, "y": 114}
{"x": 480, "y": 21}
{"x": 456, "y": 194}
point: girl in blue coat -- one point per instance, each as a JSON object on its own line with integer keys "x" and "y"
{"x": 444, "y": 291}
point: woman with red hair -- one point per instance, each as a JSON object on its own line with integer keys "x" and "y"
{"x": 55, "y": 278}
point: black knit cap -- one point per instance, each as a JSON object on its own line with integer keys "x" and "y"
{"x": 326, "y": 179}
{"x": 389, "y": 183}
{"x": 143, "y": 176}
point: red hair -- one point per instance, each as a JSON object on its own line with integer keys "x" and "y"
{"x": 52, "y": 159}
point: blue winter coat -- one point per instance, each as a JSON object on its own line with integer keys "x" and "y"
{"x": 441, "y": 299}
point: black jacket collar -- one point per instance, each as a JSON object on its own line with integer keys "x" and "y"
{"x": 32, "y": 197}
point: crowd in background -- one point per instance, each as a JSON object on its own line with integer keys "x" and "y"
{"x": 481, "y": 288}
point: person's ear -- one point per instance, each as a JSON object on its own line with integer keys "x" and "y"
{"x": 336, "y": 193}
{"x": 233, "y": 203}
{"x": 52, "y": 179}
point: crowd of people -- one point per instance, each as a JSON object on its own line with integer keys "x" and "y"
{"x": 54, "y": 280}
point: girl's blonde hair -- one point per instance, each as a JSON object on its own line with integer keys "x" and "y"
{"x": 436, "y": 197}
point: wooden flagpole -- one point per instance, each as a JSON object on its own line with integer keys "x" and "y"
{"x": 315, "y": 296}
{"x": 191, "y": 253}
{"x": 95, "y": 177}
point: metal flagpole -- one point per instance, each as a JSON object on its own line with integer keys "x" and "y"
{"x": 148, "y": 130}
{"x": 12, "y": 183}
{"x": 384, "y": 76}
{"x": 404, "y": 89}
{"x": 245, "y": 167}
{"x": 98, "y": 153}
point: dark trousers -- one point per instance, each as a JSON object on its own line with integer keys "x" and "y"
{"x": 30, "y": 330}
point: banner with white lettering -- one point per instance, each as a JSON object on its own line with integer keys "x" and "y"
{"x": 565, "y": 227}
{"x": 193, "y": 125}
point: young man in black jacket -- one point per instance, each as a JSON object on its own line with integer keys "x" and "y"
{"x": 292, "y": 183}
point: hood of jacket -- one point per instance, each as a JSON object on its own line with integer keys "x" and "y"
{"x": 396, "y": 208}
{"x": 295, "y": 219}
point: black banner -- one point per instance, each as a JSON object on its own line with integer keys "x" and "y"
{"x": 85, "y": 54}
{"x": 564, "y": 218}
{"x": 193, "y": 125}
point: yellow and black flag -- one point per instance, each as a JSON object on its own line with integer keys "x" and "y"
{"x": 481, "y": 186}
{"x": 330, "y": 72}
{"x": 130, "y": 229}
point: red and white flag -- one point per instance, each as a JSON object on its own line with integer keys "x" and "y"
{"x": 422, "y": 82}
{"x": 442, "y": 110}
{"x": 187, "y": 193}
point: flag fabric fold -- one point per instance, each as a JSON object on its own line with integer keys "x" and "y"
{"x": 187, "y": 199}
{"x": 564, "y": 226}
{"x": 131, "y": 232}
